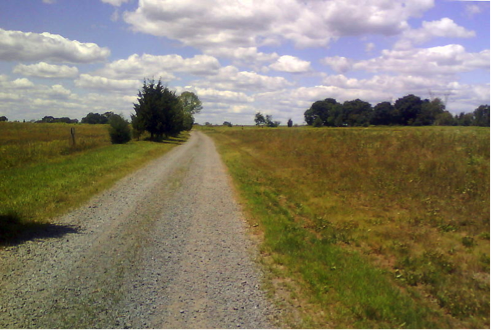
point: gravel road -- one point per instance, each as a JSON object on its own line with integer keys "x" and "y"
{"x": 166, "y": 247}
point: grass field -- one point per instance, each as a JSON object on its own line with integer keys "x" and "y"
{"x": 42, "y": 174}
{"x": 370, "y": 227}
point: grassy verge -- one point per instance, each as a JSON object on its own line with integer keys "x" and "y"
{"x": 39, "y": 190}
{"x": 368, "y": 228}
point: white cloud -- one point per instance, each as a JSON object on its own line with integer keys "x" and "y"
{"x": 229, "y": 97}
{"x": 49, "y": 2}
{"x": 22, "y": 83}
{"x": 115, "y": 3}
{"x": 29, "y": 46}
{"x": 338, "y": 63}
{"x": 249, "y": 56}
{"x": 291, "y": 64}
{"x": 443, "y": 60}
{"x": 445, "y": 27}
{"x": 230, "y": 78}
{"x": 139, "y": 67}
{"x": 223, "y": 23}
{"x": 472, "y": 10}
{"x": 45, "y": 70}
{"x": 102, "y": 83}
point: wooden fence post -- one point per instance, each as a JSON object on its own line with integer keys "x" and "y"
{"x": 72, "y": 132}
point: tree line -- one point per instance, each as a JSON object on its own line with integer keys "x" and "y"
{"x": 409, "y": 110}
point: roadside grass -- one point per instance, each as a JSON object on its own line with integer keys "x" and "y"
{"x": 49, "y": 184}
{"x": 376, "y": 227}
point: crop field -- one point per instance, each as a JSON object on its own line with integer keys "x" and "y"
{"x": 369, "y": 227}
{"x": 44, "y": 174}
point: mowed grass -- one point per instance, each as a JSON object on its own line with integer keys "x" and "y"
{"x": 370, "y": 227}
{"x": 56, "y": 176}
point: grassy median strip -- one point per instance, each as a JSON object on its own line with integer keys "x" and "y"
{"x": 369, "y": 228}
{"x": 40, "y": 190}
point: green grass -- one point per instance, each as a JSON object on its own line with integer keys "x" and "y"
{"x": 34, "y": 191}
{"x": 378, "y": 227}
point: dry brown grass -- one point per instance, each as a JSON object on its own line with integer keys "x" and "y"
{"x": 414, "y": 201}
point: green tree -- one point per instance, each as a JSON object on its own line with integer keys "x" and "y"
{"x": 159, "y": 110}
{"x": 481, "y": 116}
{"x": 383, "y": 114}
{"x": 190, "y": 103}
{"x": 357, "y": 112}
{"x": 322, "y": 109}
{"x": 119, "y": 129}
{"x": 3, "y": 118}
{"x": 259, "y": 119}
{"x": 290, "y": 122}
{"x": 409, "y": 108}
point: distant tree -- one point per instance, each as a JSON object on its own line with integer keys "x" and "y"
{"x": 318, "y": 122}
{"x": 119, "y": 129}
{"x": 445, "y": 119}
{"x": 429, "y": 112}
{"x": 383, "y": 114}
{"x": 3, "y": 118}
{"x": 190, "y": 103}
{"x": 227, "y": 123}
{"x": 97, "y": 118}
{"x": 464, "y": 119}
{"x": 290, "y": 122}
{"x": 357, "y": 112}
{"x": 159, "y": 110}
{"x": 322, "y": 109}
{"x": 409, "y": 108}
{"x": 481, "y": 116}
{"x": 259, "y": 119}
{"x": 270, "y": 122}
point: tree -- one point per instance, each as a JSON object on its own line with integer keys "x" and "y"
{"x": 190, "y": 103}
{"x": 322, "y": 109}
{"x": 429, "y": 112}
{"x": 481, "y": 116}
{"x": 383, "y": 114}
{"x": 357, "y": 112}
{"x": 3, "y": 118}
{"x": 227, "y": 123}
{"x": 119, "y": 129}
{"x": 259, "y": 119}
{"x": 290, "y": 122}
{"x": 159, "y": 110}
{"x": 409, "y": 108}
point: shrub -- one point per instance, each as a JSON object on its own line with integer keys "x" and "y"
{"x": 119, "y": 129}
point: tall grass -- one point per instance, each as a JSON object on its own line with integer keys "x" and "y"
{"x": 42, "y": 175}
{"x": 402, "y": 210}
{"x": 27, "y": 143}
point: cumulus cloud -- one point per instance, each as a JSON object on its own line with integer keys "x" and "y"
{"x": 45, "y": 70}
{"x": 230, "y": 78}
{"x": 291, "y": 64}
{"x": 115, "y": 3}
{"x": 138, "y": 67}
{"x": 213, "y": 95}
{"x": 102, "y": 83}
{"x": 338, "y": 63}
{"x": 29, "y": 46}
{"x": 249, "y": 56}
{"x": 445, "y": 27}
{"x": 442, "y": 60}
{"x": 215, "y": 23}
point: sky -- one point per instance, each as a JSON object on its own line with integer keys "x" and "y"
{"x": 66, "y": 58}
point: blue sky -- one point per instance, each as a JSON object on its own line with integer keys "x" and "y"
{"x": 66, "y": 58}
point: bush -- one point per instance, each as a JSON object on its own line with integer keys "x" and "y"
{"x": 119, "y": 129}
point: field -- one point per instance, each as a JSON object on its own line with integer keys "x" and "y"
{"x": 44, "y": 174}
{"x": 369, "y": 227}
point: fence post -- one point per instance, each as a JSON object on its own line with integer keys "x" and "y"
{"x": 72, "y": 132}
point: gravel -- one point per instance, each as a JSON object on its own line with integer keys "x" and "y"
{"x": 166, "y": 247}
